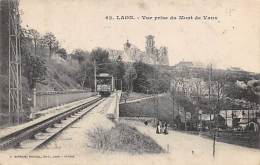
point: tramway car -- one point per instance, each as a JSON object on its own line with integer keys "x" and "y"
{"x": 105, "y": 84}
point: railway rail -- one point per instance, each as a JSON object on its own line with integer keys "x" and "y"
{"x": 58, "y": 122}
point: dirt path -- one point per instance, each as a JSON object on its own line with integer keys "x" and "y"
{"x": 193, "y": 149}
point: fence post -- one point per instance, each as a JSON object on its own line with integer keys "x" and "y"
{"x": 33, "y": 104}
{"x": 47, "y": 96}
{"x": 34, "y": 98}
{"x": 57, "y": 102}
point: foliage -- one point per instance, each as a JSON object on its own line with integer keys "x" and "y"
{"x": 79, "y": 55}
{"x": 236, "y": 92}
{"x": 85, "y": 76}
{"x": 34, "y": 68}
{"x": 103, "y": 63}
{"x": 51, "y": 42}
{"x": 164, "y": 82}
{"x": 100, "y": 55}
{"x": 129, "y": 77}
{"x": 119, "y": 72}
{"x": 98, "y": 58}
{"x": 144, "y": 77}
{"x": 185, "y": 102}
{"x": 63, "y": 53}
{"x": 32, "y": 35}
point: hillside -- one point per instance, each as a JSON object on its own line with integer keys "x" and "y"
{"x": 59, "y": 77}
{"x": 145, "y": 108}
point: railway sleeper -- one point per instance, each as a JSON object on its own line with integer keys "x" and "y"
{"x": 41, "y": 127}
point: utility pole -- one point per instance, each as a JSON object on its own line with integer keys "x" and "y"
{"x": 156, "y": 86}
{"x": 197, "y": 84}
{"x": 173, "y": 100}
{"x": 214, "y": 129}
{"x": 209, "y": 103}
{"x": 248, "y": 119}
{"x": 95, "y": 76}
{"x": 121, "y": 85}
{"x": 173, "y": 95}
{"x": 155, "y": 90}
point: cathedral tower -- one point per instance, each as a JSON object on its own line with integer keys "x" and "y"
{"x": 150, "y": 45}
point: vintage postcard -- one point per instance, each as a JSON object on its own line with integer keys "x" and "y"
{"x": 112, "y": 82}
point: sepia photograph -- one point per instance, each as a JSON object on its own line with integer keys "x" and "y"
{"x": 137, "y": 82}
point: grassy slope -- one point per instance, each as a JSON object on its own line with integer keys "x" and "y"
{"x": 146, "y": 108}
{"x": 134, "y": 95}
{"x": 59, "y": 76}
{"x": 123, "y": 138}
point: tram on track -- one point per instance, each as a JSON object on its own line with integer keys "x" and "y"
{"x": 105, "y": 84}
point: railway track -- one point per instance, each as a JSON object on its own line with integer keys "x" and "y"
{"x": 39, "y": 134}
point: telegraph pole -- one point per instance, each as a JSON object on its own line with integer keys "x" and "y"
{"x": 156, "y": 86}
{"x": 214, "y": 129}
{"x": 121, "y": 85}
{"x": 210, "y": 74}
{"x": 95, "y": 76}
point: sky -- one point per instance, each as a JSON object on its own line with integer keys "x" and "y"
{"x": 233, "y": 39}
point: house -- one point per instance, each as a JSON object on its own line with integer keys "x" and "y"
{"x": 240, "y": 117}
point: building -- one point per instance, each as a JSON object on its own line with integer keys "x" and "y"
{"x": 132, "y": 53}
{"x": 183, "y": 64}
{"x": 190, "y": 66}
{"x": 150, "y": 50}
{"x": 240, "y": 117}
{"x": 151, "y": 55}
{"x": 164, "y": 55}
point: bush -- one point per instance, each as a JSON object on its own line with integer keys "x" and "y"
{"x": 123, "y": 138}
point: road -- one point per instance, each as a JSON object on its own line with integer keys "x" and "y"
{"x": 193, "y": 149}
{"x": 141, "y": 99}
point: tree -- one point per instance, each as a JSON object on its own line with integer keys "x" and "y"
{"x": 129, "y": 77}
{"x": 41, "y": 42}
{"x": 198, "y": 88}
{"x": 85, "y": 76}
{"x": 119, "y": 71}
{"x": 220, "y": 84}
{"x": 79, "y": 55}
{"x": 100, "y": 55}
{"x": 63, "y": 53}
{"x": 34, "y": 68}
{"x": 182, "y": 99}
{"x": 34, "y": 36}
{"x": 164, "y": 82}
{"x": 145, "y": 78}
{"x": 173, "y": 95}
{"x": 103, "y": 63}
{"x": 51, "y": 42}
